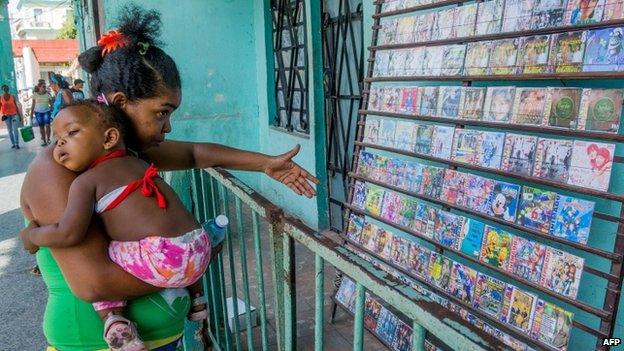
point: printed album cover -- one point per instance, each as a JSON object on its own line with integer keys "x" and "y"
{"x": 613, "y": 10}
{"x": 552, "y": 325}
{"x": 465, "y": 146}
{"x": 604, "y": 50}
{"x": 424, "y": 25}
{"x": 371, "y": 130}
{"x": 410, "y": 100}
{"x": 490, "y": 17}
{"x": 472, "y": 237}
{"x": 432, "y": 181}
{"x": 387, "y": 131}
{"x": 391, "y": 99}
{"x": 490, "y": 150}
{"x": 562, "y": 272}
{"x": 448, "y": 228}
{"x": 601, "y": 110}
{"x": 463, "y": 281}
{"x": 419, "y": 261}
{"x": 413, "y": 179}
{"x": 472, "y": 103}
{"x": 443, "y": 27}
{"x": 503, "y": 55}
{"x": 453, "y": 59}
{"x": 583, "y": 12}
{"x": 440, "y": 270}
{"x": 346, "y": 294}
{"x": 405, "y": 135}
{"x": 399, "y": 251}
{"x": 388, "y": 30}
{"x": 521, "y": 309}
{"x": 424, "y": 218}
{"x": 414, "y": 63}
{"x": 386, "y": 326}
{"x": 563, "y": 107}
{"x": 403, "y": 337}
{"x": 374, "y": 198}
{"x": 424, "y": 136}
{"x": 405, "y": 29}
{"x": 572, "y": 219}
{"x": 448, "y": 101}
{"x": 530, "y": 105}
{"x": 372, "y": 308}
{"x": 489, "y": 295}
{"x": 354, "y": 229}
{"x": 533, "y": 54}
{"x": 477, "y": 58}
{"x": 465, "y": 18}
{"x": 503, "y": 201}
{"x": 519, "y": 153}
{"x": 518, "y": 15}
{"x": 382, "y": 60}
{"x": 499, "y": 103}
{"x": 432, "y": 60}
{"x": 369, "y": 232}
{"x": 396, "y": 66}
{"x": 407, "y": 212}
{"x": 553, "y": 158}
{"x": 442, "y": 141}
{"x": 359, "y": 194}
{"x": 454, "y": 187}
{"x": 548, "y": 13}
{"x": 566, "y": 52}
{"x": 496, "y": 247}
{"x": 477, "y": 194}
{"x": 379, "y": 170}
{"x": 527, "y": 259}
{"x": 375, "y": 98}
{"x": 429, "y": 101}
{"x": 591, "y": 164}
{"x": 365, "y": 163}
{"x": 536, "y": 208}
{"x": 391, "y": 206}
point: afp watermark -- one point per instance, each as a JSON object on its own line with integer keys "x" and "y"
{"x": 612, "y": 342}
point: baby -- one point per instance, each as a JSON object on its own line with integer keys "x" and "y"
{"x": 153, "y": 236}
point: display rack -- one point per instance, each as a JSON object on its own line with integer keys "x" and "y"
{"x": 612, "y": 276}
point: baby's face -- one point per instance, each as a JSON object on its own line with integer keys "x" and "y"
{"x": 79, "y": 138}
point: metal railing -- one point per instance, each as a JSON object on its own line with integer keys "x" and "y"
{"x": 216, "y": 191}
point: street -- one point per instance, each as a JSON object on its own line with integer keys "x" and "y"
{"x": 23, "y": 294}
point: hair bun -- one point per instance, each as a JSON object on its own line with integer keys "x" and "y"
{"x": 91, "y": 59}
{"x": 139, "y": 25}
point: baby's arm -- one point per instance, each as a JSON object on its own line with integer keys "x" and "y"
{"x": 72, "y": 228}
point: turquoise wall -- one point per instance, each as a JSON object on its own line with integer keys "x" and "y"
{"x": 7, "y": 70}
{"x": 221, "y": 50}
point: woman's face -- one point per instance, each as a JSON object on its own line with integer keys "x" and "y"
{"x": 54, "y": 87}
{"x": 151, "y": 118}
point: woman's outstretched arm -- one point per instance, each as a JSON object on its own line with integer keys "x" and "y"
{"x": 88, "y": 270}
{"x": 177, "y": 155}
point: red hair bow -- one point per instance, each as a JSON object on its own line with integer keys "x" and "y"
{"x": 112, "y": 41}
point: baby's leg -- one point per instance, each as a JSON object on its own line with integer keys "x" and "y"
{"x": 119, "y": 332}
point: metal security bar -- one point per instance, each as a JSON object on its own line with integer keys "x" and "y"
{"x": 291, "y": 65}
{"x": 256, "y": 222}
{"x": 343, "y": 61}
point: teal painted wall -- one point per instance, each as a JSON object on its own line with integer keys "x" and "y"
{"x": 602, "y": 234}
{"x": 7, "y": 69}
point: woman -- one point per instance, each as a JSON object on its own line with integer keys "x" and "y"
{"x": 63, "y": 96}
{"x": 41, "y": 110}
{"x": 129, "y": 71}
{"x": 11, "y": 115}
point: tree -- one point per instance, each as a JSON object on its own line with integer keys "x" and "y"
{"x": 68, "y": 30}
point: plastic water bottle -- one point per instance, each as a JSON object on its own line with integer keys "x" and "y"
{"x": 216, "y": 229}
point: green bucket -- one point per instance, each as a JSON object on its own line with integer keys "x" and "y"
{"x": 27, "y": 133}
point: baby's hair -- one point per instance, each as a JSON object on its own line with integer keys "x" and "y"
{"x": 139, "y": 69}
{"x": 109, "y": 116}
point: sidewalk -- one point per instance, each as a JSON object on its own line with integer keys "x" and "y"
{"x": 23, "y": 295}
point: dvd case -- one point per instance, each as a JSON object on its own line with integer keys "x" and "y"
{"x": 566, "y": 52}
{"x": 496, "y": 247}
{"x": 527, "y": 259}
{"x": 429, "y": 101}
{"x": 448, "y": 101}
{"x": 499, "y": 102}
{"x": 519, "y": 153}
{"x": 548, "y": 13}
{"x": 489, "y": 18}
{"x": 424, "y": 136}
{"x": 503, "y": 201}
{"x": 552, "y": 160}
{"x": 572, "y": 219}
{"x": 489, "y": 294}
{"x": 591, "y": 164}
{"x": 604, "y": 50}
{"x": 471, "y": 105}
{"x": 410, "y": 100}
{"x": 442, "y": 141}
{"x": 562, "y": 272}
{"x": 465, "y": 19}
{"x": 517, "y": 15}
{"x": 601, "y": 110}
{"x": 463, "y": 281}
{"x": 490, "y": 149}
{"x": 552, "y": 325}
{"x": 536, "y": 208}
{"x": 477, "y": 57}
{"x": 453, "y": 59}
{"x": 503, "y": 56}
{"x": 465, "y": 146}
{"x": 581, "y": 12}
{"x": 533, "y": 54}
{"x": 563, "y": 106}
{"x": 530, "y": 106}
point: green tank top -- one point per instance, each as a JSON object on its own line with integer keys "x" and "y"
{"x": 71, "y": 324}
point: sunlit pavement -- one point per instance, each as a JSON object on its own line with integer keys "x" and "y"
{"x": 22, "y": 295}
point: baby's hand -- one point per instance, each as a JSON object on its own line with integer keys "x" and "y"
{"x": 24, "y": 235}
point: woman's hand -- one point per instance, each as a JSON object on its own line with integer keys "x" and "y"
{"x": 28, "y": 245}
{"x": 283, "y": 169}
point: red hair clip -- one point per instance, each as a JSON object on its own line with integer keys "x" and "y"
{"x": 112, "y": 41}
